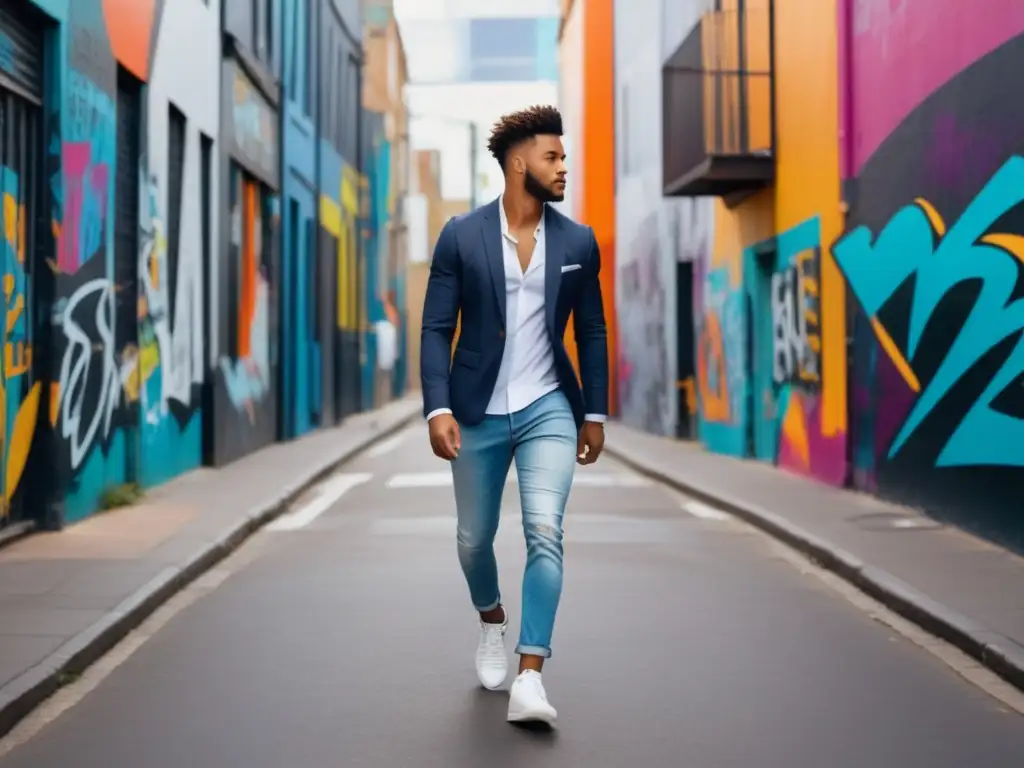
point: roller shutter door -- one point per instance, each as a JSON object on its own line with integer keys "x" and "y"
{"x": 21, "y": 49}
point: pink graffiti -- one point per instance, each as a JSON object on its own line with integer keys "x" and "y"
{"x": 85, "y": 210}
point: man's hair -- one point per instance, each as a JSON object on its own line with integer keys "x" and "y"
{"x": 520, "y": 126}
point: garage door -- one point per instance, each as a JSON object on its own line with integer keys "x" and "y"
{"x": 21, "y": 49}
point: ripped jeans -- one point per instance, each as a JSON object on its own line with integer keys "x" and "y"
{"x": 542, "y": 439}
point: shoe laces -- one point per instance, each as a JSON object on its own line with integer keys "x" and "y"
{"x": 494, "y": 637}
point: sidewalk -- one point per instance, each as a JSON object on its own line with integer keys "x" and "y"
{"x": 67, "y": 597}
{"x": 956, "y": 586}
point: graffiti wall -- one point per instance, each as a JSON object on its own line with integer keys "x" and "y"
{"x": 932, "y": 256}
{"x": 177, "y": 236}
{"x": 303, "y": 342}
{"x": 93, "y": 155}
{"x": 342, "y": 194}
{"x": 770, "y": 310}
{"x": 658, "y": 241}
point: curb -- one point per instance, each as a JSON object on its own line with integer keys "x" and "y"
{"x": 24, "y": 693}
{"x": 996, "y": 652}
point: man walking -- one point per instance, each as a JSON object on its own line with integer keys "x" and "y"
{"x": 516, "y": 268}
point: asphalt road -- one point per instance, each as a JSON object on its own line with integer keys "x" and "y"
{"x": 684, "y": 641}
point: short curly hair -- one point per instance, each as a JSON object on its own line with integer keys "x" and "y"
{"x": 513, "y": 128}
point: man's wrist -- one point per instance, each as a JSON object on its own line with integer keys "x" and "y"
{"x": 437, "y": 412}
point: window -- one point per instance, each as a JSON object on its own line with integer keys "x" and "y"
{"x": 310, "y": 54}
{"x": 177, "y": 131}
{"x": 503, "y": 49}
{"x": 205, "y": 219}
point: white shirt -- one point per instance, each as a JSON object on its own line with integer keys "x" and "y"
{"x": 527, "y": 370}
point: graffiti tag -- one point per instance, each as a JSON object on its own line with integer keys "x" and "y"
{"x": 796, "y": 334}
{"x": 915, "y": 243}
{"x": 96, "y": 393}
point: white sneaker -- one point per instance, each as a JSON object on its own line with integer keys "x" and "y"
{"x": 528, "y": 702}
{"x": 491, "y": 661}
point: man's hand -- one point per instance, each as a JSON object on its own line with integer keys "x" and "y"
{"x": 444, "y": 436}
{"x": 590, "y": 442}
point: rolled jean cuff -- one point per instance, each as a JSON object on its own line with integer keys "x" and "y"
{"x": 487, "y": 608}
{"x": 533, "y": 650}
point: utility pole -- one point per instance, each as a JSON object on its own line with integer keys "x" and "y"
{"x": 472, "y": 166}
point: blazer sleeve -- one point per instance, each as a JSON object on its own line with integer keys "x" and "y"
{"x": 592, "y": 334}
{"x": 440, "y": 315}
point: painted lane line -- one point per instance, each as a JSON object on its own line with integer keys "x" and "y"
{"x": 387, "y": 446}
{"x": 330, "y": 492}
{"x": 703, "y": 511}
{"x": 444, "y": 479}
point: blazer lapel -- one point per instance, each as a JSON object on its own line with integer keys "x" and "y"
{"x": 490, "y": 231}
{"x": 554, "y": 259}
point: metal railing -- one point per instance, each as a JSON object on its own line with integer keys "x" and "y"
{"x": 717, "y": 93}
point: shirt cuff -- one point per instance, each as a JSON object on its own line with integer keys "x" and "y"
{"x": 437, "y": 412}
{"x": 597, "y": 418}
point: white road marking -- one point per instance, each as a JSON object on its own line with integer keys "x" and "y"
{"x": 330, "y": 492}
{"x": 420, "y": 480}
{"x": 387, "y": 446}
{"x": 444, "y": 479}
{"x": 703, "y": 511}
{"x": 909, "y": 523}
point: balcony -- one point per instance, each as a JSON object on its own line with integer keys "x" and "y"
{"x": 717, "y": 136}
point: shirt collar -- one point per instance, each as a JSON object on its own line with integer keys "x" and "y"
{"x": 504, "y": 220}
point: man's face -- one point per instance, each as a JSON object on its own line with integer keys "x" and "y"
{"x": 545, "y": 169}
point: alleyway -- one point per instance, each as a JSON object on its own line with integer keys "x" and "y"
{"x": 344, "y": 639}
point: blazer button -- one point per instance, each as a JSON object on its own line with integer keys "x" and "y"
{"x": 501, "y": 334}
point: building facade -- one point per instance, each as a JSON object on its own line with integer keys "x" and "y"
{"x": 387, "y": 171}
{"x": 586, "y": 51}
{"x": 658, "y": 241}
{"x": 855, "y": 311}
{"x": 184, "y": 215}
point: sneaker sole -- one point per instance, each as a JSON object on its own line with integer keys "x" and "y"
{"x": 494, "y": 687}
{"x": 533, "y": 716}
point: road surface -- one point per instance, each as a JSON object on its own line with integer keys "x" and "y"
{"x": 342, "y": 637}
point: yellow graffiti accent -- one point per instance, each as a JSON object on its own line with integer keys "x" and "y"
{"x": 895, "y": 355}
{"x": 1012, "y": 244}
{"x": 933, "y": 216}
{"x": 341, "y": 221}
{"x": 54, "y": 403}
{"x": 17, "y": 361}
{"x": 689, "y": 394}
{"x": 20, "y": 440}
{"x": 794, "y": 430}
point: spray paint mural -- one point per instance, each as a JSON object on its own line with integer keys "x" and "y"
{"x": 19, "y": 389}
{"x": 933, "y": 256}
{"x": 659, "y": 240}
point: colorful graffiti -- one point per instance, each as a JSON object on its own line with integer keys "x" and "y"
{"x": 19, "y": 394}
{"x": 933, "y": 257}
{"x": 917, "y": 244}
{"x": 786, "y": 298}
{"x": 722, "y": 382}
{"x": 246, "y": 371}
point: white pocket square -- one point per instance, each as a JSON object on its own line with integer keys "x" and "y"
{"x": 571, "y": 267}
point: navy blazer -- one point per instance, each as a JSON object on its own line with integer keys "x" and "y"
{"x": 468, "y": 275}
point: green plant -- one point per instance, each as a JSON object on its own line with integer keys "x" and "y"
{"x": 123, "y": 495}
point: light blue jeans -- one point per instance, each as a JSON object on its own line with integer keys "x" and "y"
{"x": 542, "y": 439}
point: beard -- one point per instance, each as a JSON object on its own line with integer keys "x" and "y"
{"x": 538, "y": 191}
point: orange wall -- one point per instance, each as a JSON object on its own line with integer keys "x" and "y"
{"x": 807, "y": 181}
{"x": 594, "y": 149}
